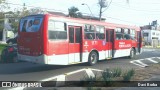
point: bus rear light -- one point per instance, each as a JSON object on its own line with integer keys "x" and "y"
{"x": 10, "y": 49}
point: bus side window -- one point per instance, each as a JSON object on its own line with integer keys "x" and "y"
{"x": 127, "y": 36}
{"x": 100, "y": 34}
{"x": 89, "y": 36}
{"x": 119, "y": 36}
{"x": 132, "y": 34}
{"x": 89, "y": 32}
{"x": 56, "y": 30}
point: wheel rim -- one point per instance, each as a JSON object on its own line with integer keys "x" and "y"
{"x": 132, "y": 53}
{"x": 93, "y": 58}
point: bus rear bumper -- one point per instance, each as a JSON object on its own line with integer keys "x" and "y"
{"x": 44, "y": 59}
{"x": 38, "y": 59}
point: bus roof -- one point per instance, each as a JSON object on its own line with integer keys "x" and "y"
{"x": 94, "y": 22}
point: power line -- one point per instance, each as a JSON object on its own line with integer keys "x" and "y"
{"x": 122, "y": 20}
{"x": 36, "y": 7}
{"x": 122, "y": 6}
{"x": 82, "y": 13}
{"x": 140, "y": 2}
{"x": 108, "y": 6}
{"x": 116, "y": 19}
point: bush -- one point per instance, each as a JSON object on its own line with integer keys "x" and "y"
{"x": 128, "y": 75}
{"x": 107, "y": 76}
{"x": 93, "y": 88}
{"x": 89, "y": 81}
{"x": 2, "y": 46}
{"x": 117, "y": 72}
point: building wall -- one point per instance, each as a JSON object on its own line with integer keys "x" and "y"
{"x": 8, "y": 30}
{"x": 153, "y": 37}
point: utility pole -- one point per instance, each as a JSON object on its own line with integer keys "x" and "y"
{"x": 100, "y": 11}
{"x": 102, "y": 4}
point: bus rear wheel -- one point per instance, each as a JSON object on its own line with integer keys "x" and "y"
{"x": 92, "y": 59}
{"x": 132, "y": 54}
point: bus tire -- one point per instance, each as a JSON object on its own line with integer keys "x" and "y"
{"x": 132, "y": 54}
{"x": 93, "y": 58}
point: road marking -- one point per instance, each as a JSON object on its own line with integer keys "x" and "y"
{"x": 90, "y": 73}
{"x": 97, "y": 70}
{"x": 141, "y": 65}
{"x": 49, "y": 79}
{"x": 60, "y": 80}
{"x": 152, "y": 60}
{"x": 73, "y": 72}
{"x": 157, "y": 57}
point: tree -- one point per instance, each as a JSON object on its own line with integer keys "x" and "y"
{"x": 79, "y": 15}
{"x": 15, "y": 21}
{"x": 105, "y": 4}
{"x": 73, "y": 12}
{"x": 17, "y": 15}
{"x": 3, "y": 5}
{"x": 33, "y": 11}
{"x": 102, "y": 4}
{"x": 1, "y": 21}
{"x": 24, "y": 11}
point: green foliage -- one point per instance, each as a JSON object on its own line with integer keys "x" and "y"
{"x": 93, "y": 88}
{"x": 33, "y": 11}
{"x": 3, "y": 5}
{"x": 15, "y": 26}
{"x": 128, "y": 75}
{"x": 107, "y": 76}
{"x": 117, "y": 72}
{"x": 73, "y": 12}
{"x": 2, "y": 46}
{"x": 89, "y": 81}
{"x": 1, "y": 21}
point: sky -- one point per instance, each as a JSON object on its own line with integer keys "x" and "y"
{"x": 136, "y": 12}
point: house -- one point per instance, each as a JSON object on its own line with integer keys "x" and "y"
{"x": 7, "y": 31}
{"x": 151, "y": 34}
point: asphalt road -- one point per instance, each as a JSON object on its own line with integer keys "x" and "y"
{"x": 24, "y": 71}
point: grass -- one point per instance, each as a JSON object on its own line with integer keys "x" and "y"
{"x": 2, "y": 46}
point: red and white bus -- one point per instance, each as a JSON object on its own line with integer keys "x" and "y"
{"x": 51, "y": 39}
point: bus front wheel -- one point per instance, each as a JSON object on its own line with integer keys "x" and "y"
{"x": 92, "y": 59}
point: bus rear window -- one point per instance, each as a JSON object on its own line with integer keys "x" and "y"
{"x": 30, "y": 24}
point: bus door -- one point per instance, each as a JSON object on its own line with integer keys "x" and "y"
{"x": 139, "y": 41}
{"x": 75, "y": 41}
{"x": 110, "y": 43}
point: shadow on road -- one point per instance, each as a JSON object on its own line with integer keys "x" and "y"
{"x": 26, "y": 67}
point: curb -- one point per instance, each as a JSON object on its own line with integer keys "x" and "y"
{"x": 151, "y": 47}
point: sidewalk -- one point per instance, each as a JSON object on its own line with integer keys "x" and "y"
{"x": 2, "y": 42}
{"x": 151, "y": 47}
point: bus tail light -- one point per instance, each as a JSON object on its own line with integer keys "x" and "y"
{"x": 10, "y": 49}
